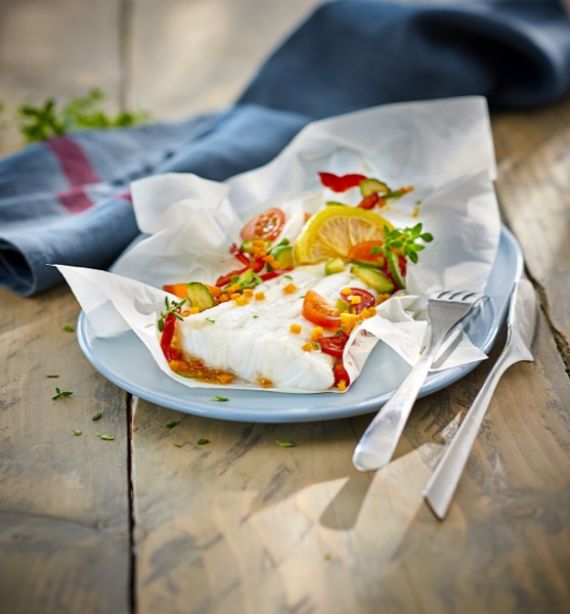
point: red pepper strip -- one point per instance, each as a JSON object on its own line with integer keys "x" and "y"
{"x": 167, "y": 336}
{"x": 370, "y": 201}
{"x": 225, "y": 279}
{"x": 334, "y": 346}
{"x": 257, "y": 265}
{"x": 274, "y": 274}
{"x": 341, "y": 183}
{"x": 340, "y": 374}
{"x": 235, "y": 251}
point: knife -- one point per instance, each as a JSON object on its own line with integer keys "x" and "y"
{"x": 521, "y": 326}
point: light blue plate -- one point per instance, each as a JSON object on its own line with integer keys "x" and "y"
{"x": 125, "y": 361}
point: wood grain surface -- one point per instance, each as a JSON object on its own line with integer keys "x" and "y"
{"x": 154, "y": 522}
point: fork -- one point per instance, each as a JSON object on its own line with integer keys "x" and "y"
{"x": 446, "y": 310}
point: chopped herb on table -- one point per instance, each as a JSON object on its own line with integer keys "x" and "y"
{"x": 76, "y": 432}
{"x": 285, "y": 444}
{"x": 52, "y": 376}
{"x": 68, "y": 329}
{"x": 172, "y": 424}
{"x": 61, "y": 394}
{"x": 220, "y": 399}
{"x": 202, "y": 441}
{"x": 177, "y": 445}
{"x": 97, "y": 416}
{"x": 106, "y": 437}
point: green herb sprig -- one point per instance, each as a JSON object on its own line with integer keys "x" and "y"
{"x": 405, "y": 240}
{"x": 61, "y": 394}
{"x": 285, "y": 444}
{"x": 47, "y": 120}
{"x": 173, "y": 308}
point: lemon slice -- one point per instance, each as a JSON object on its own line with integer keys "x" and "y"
{"x": 334, "y": 230}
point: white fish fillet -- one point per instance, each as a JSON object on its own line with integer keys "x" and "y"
{"x": 254, "y": 341}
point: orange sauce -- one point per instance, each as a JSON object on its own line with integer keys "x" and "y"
{"x": 188, "y": 366}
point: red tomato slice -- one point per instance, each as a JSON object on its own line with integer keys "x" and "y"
{"x": 340, "y": 374}
{"x": 363, "y": 251}
{"x": 318, "y": 311}
{"x": 334, "y": 346}
{"x": 366, "y": 299}
{"x": 341, "y": 183}
{"x": 267, "y": 225}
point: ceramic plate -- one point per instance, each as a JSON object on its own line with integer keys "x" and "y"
{"x": 125, "y": 361}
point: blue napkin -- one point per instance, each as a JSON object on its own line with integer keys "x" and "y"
{"x": 66, "y": 200}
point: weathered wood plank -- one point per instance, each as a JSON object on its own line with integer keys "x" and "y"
{"x": 59, "y": 49}
{"x": 534, "y": 186}
{"x": 191, "y": 57}
{"x": 64, "y": 517}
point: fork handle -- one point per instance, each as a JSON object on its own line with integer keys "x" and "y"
{"x": 377, "y": 445}
{"x": 443, "y": 481}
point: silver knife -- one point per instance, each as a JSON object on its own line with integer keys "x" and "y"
{"x": 521, "y": 325}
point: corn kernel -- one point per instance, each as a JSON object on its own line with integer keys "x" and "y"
{"x": 194, "y": 310}
{"x": 242, "y": 301}
{"x": 346, "y": 291}
{"x": 341, "y": 385}
{"x": 295, "y": 328}
{"x": 381, "y": 298}
{"x": 235, "y": 295}
{"x": 260, "y": 296}
{"x": 308, "y": 347}
{"x": 317, "y": 333}
{"x": 289, "y": 288}
{"x": 224, "y": 298}
{"x": 355, "y": 300}
{"x": 248, "y": 292}
{"x": 349, "y": 321}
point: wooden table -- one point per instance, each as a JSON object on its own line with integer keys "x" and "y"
{"x": 139, "y": 525}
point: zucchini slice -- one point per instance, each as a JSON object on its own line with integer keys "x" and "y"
{"x": 373, "y": 186}
{"x": 199, "y": 296}
{"x": 373, "y": 279}
{"x": 335, "y": 265}
{"x": 392, "y": 260}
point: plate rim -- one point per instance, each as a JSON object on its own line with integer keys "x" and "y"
{"x": 435, "y": 381}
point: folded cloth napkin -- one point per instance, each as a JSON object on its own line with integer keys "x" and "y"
{"x": 66, "y": 200}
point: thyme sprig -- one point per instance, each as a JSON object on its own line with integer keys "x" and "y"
{"x": 173, "y": 308}
{"x": 404, "y": 240}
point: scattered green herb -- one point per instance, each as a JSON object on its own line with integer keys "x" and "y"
{"x": 106, "y": 437}
{"x": 288, "y": 276}
{"x": 38, "y": 123}
{"x": 285, "y": 444}
{"x": 255, "y": 316}
{"x": 177, "y": 445}
{"x": 202, "y": 441}
{"x": 76, "y": 432}
{"x": 172, "y": 424}
{"x": 52, "y": 376}
{"x": 211, "y": 321}
{"x": 61, "y": 394}
{"x": 404, "y": 240}
{"x": 97, "y": 416}
{"x": 328, "y": 557}
{"x": 68, "y": 329}
{"x": 220, "y": 399}
{"x": 173, "y": 308}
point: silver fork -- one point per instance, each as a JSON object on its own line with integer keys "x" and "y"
{"x": 375, "y": 449}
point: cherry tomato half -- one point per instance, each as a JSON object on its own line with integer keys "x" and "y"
{"x": 317, "y": 310}
{"x": 267, "y": 225}
{"x": 364, "y": 252}
{"x": 340, "y": 374}
{"x": 334, "y": 346}
{"x": 366, "y": 299}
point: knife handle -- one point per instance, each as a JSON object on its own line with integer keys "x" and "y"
{"x": 377, "y": 445}
{"x": 443, "y": 481}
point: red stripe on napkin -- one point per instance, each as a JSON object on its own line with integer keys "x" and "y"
{"x": 73, "y": 161}
{"x": 75, "y": 200}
